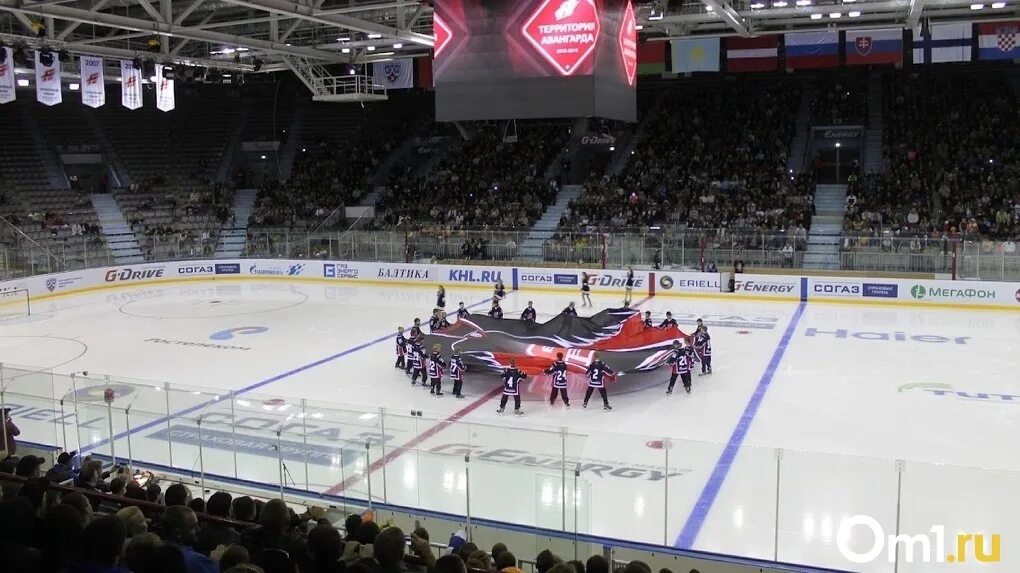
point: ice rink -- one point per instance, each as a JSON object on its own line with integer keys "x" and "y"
{"x": 822, "y": 411}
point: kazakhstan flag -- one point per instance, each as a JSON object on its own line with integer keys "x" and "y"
{"x": 695, "y": 55}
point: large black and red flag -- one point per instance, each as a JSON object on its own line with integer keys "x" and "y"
{"x": 618, "y": 335}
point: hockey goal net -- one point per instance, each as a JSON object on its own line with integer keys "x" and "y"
{"x": 14, "y": 302}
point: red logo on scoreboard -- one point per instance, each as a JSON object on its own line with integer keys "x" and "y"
{"x": 628, "y": 43}
{"x": 564, "y": 32}
{"x": 48, "y": 75}
{"x": 442, "y": 32}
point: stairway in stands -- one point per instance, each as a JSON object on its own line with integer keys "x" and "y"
{"x": 824, "y": 236}
{"x": 119, "y": 236}
{"x": 543, "y": 229}
{"x": 873, "y": 133}
{"x": 233, "y": 236}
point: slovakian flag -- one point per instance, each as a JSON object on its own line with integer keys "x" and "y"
{"x": 874, "y": 46}
{"x": 812, "y": 49}
{"x": 759, "y": 54}
{"x": 999, "y": 41}
{"x": 943, "y": 43}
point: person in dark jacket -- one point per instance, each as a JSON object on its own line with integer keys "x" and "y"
{"x": 11, "y": 431}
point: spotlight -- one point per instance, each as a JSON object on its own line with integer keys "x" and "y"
{"x": 256, "y": 64}
{"x": 46, "y": 57}
{"x": 74, "y": 87}
{"x": 22, "y": 83}
{"x": 152, "y": 45}
{"x": 136, "y": 63}
{"x": 40, "y": 29}
{"x": 351, "y": 70}
{"x": 168, "y": 72}
{"x": 63, "y": 56}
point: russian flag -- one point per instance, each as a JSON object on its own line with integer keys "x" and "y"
{"x": 999, "y": 40}
{"x": 874, "y": 46}
{"x": 943, "y": 43}
{"x": 760, "y": 54}
{"x": 812, "y": 49}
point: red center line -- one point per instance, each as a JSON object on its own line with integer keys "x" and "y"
{"x": 415, "y": 441}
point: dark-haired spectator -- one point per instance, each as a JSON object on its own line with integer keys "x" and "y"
{"x": 180, "y": 527}
{"x": 197, "y": 505}
{"x": 276, "y": 561}
{"x": 561, "y": 568}
{"x": 214, "y": 533}
{"x": 152, "y": 492}
{"x": 118, "y": 487}
{"x": 362, "y": 546}
{"x": 497, "y": 549}
{"x": 11, "y": 431}
{"x": 177, "y": 494}
{"x": 28, "y": 466}
{"x": 465, "y": 550}
{"x": 479, "y": 560}
{"x": 577, "y": 565}
{"x": 63, "y": 526}
{"x": 636, "y": 566}
{"x": 596, "y": 564}
{"x": 101, "y": 546}
{"x": 62, "y": 471}
{"x": 506, "y": 561}
{"x": 138, "y": 549}
{"x": 324, "y": 549}
{"x": 545, "y": 560}
{"x": 351, "y": 524}
{"x": 274, "y": 533}
{"x": 135, "y": 492}
{"x": 450, "y": 564}
{"x": 77, "y": 500}
{"x": 243, "y": 509}
{"x": 15, "y": 538}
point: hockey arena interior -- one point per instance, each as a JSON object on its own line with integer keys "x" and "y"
{"x": 532, "y": 286}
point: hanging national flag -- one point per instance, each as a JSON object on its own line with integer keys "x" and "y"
{"x": 165, "y": 98}
{"x": 943, "y": 43}
{"x": 874, "y": 46}
{"x": 7, "y": 75}
{"x": 999, "y": 41}
{"x": 695, "y": 55}
{"x": 93, "y": 87}
{"x": 812, "y": 49}
{"x": 47, "y": 80}
{"x": 651, "y": 58}
{"x": 394, "y": 75}
{"x": 130, "y": 85}
{"x": 759, "y": 54}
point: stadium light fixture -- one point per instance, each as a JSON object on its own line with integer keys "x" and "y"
{"x": 709, "y": 9}
{"x": 370, "y": 48}
{"x": 836, "y": 16}
{"x": 345, "y": 50}
{"x": 757, "y": 5}
{"x": 854, "y": 13}
{"x": 343, "y": 39}
{"x": 22, "y": 83}
{"x": 639, "y": 27}
{"x": 74, "y": 87}
{"x": 374, "y": 36}
{"x": 780, "y": 4}
{"x": 46, "y": 57}
{"x": 803, "y": 2}
{"x": 816, "y": 16}
{"x": 998, "y": 5}
{"x": 849, "y": 1}
{"x": 977, "y": 6}
{"x": 397, "y": 46}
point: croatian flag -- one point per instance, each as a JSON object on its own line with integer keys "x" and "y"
{"x": 943, "y": 43}
{"x": 874, "y": 46}
{"x": 759, "y": 54}
{"x": 812, "y": 49}
{"x": 999, "y": 40}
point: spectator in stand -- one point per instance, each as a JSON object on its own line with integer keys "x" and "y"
{"x": 28, "y": 467}
{"x": 63, "y": 527}
{"x": 134, "y": 521}
{"x": 62, "y": 471}
{"x": 324, "y": 550}
{"x": 77, "y": 500}
{"x": 101, "y": 547}
{"x": 506, "y": 562}
{"x": 275, "y": 534}
{"x": 596, "y": 564}
{"x": 11, "y": 431}
{"x": 215, "y": 534}
{"x": 177, "y": 494}
{"x": 180, "y": 529}
{"x": 243, "y": 509}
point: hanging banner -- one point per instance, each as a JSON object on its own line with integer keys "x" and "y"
{"x": 164, "y": 90}
{"x": 130, "y": 85}
{"x": 47, "y": 81}
{"x": 394, "y": 75}
{"x": 93, "y": 87}
{"x": 7, "y": 76}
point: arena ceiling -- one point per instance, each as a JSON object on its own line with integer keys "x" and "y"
{"x": 311, "y": 36}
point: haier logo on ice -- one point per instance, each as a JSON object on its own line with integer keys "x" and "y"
{"x": 475, "y": 276}
{"x": 133, "y": 274}
{"x": 897, "y": 336}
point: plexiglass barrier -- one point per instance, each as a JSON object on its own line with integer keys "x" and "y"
{"x": 770, "y": 504}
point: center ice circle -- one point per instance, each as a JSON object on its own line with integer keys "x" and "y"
{"x": 214, "y": 301}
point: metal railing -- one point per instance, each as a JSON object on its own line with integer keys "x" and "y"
{"x": 674, "y": 248}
